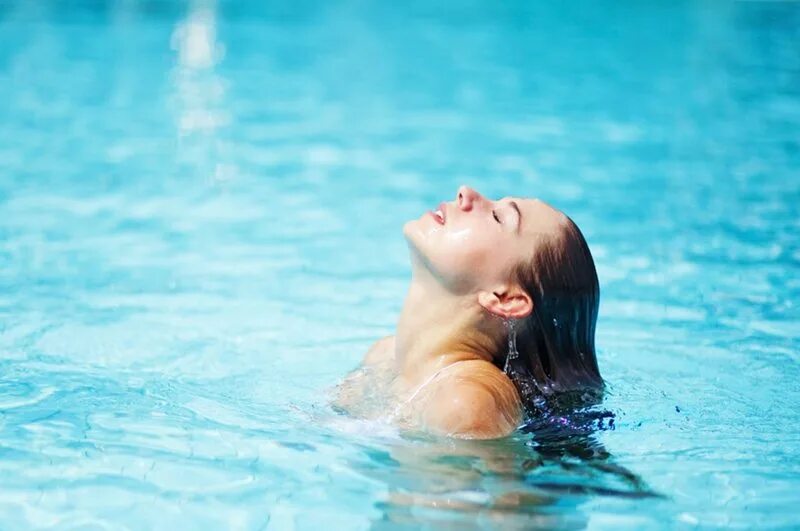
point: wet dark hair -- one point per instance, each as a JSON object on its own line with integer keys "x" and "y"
{"x": 555, "y": 343}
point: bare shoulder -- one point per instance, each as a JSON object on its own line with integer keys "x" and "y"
{"x": 382, "y": 350}
{"x": 355, "y": 387}
{"x": 473, "y": 400}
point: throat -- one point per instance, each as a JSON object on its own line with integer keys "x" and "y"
{"x": 437, "y": 329}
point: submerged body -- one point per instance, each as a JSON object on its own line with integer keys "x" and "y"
{"x": 480, "y": 269}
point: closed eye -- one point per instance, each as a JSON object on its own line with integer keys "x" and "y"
{"x": 494, "y": 215}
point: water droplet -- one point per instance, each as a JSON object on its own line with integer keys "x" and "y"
{"x": 512, "y": 347}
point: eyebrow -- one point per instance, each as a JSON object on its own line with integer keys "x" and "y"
{"x": 519, "y": 215}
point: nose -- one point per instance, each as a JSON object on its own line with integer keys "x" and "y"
{"x": 467, "y": 197}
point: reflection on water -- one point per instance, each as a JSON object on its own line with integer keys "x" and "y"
{"x": 537, "y": 478}
{"x": 199, "y": 91}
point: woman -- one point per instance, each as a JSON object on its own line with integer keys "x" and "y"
{"x": 499, "y": 318}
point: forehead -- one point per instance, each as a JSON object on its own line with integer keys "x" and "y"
{"x": 538, "y": 216}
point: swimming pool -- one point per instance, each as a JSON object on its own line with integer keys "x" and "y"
{"x": 200, "y": 212}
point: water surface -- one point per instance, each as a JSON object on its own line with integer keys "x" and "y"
{"x": 200, "y": 213}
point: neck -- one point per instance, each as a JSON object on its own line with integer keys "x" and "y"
{"x": 437, "y": 328}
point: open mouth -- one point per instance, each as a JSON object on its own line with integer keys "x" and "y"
{"x": 439, "y": 214}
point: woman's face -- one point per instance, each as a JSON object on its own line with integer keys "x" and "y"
{"x": 474, "y": 243}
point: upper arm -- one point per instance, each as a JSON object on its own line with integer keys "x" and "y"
{"x": 351, "y": 391}
{"x": 381, "y": 350}
{"x": 474, "y": 406}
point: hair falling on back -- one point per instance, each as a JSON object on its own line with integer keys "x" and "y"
{"x": 551, "y": 352}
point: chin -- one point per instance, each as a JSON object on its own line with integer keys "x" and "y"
{"x": 408, "y": 227}
{"x": 416, "y": 238}
{"x": 414, "y": 235}
{"x": 416, "y": 232}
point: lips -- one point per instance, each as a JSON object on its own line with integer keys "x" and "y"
{"x": 439, "y": 214}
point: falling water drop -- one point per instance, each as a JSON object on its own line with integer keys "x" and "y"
{"x": 512, "y": 347}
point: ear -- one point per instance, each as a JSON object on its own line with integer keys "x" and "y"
{"x": 507, "y": 302}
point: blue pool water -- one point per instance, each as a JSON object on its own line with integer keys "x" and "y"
{"x": 200, "y": 213}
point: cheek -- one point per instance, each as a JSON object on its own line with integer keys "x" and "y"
{"x": 469, "y": 258}
{"x": 462, "y": 258}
